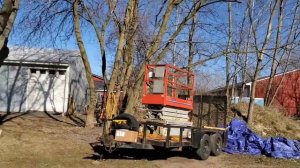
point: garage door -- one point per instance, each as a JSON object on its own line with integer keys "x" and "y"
{"x": 47, "y": 90}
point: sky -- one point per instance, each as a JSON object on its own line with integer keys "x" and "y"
{"x": 93, "y": 51}
{"x": 92, "y": 46}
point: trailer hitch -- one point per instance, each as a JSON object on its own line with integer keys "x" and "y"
{"x": 107, "y": 141}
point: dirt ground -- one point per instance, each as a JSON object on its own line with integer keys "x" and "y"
{"x": 44, "y": 140}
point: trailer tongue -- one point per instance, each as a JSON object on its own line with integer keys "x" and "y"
{"x": 168, "y": 98}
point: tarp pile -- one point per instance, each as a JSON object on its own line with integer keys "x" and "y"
{"x": 242, "y": 140}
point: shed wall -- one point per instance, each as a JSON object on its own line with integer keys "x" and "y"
{"x": 78, "y": 84}
{"x": 15, "y": 75}
{"x": 13, "y": 82}
{"x": 14, "y": 86}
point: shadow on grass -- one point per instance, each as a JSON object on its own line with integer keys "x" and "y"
{"x": 10, "y": 116}
{"x": 58, "y": 117}
{"x": 77, "y": 120}
{"x": 139, "y": 154}
{"x": 6, "y": 117}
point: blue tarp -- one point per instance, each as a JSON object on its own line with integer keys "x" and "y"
{"x": 242, "y": 140}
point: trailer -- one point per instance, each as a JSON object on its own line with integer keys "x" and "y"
{"x": 171, "y": 121}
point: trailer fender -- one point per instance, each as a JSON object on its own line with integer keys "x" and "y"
{"x": 130, "y": 124}
{"x": 197, "y": 134}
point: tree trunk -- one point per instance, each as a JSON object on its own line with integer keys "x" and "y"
{"x": 275, "y": 57}
{"x": 127, "y": 70}
{"x": 191, "y": 45}
{"x": 135, "y": 92}
{"x": 191, "y": 51}
{"x": 111, "y": 106}
{"x": 128, "y": 54}
{"x": 133, "y": 97}
{"x": 227, "y": 56}
{"x": 244, "y": 70}
{"x": 90, "y": 118}
{"x": 8, "y": 15}
{"x": 243, "y": 60}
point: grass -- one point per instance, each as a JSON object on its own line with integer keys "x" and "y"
{"x": 270, "y": 121}
{"x": 36, "y": 140}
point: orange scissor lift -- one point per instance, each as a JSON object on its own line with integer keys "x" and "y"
{"x": 168, "y": 98}
{"x": 168, "y": 94}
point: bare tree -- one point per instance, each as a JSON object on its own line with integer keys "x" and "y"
{"x": 8, "y": 13}
{"x": 260, "y": 52}
{"x": 112, "y": 100}
{"x": 244, "y": 61}
{"x": 191, "y": 45}
{"x": 275, "y": 57}
{"x": 157, "y": 51}
{"x": 227, "y": 55}
{"x": 93, "y": 99}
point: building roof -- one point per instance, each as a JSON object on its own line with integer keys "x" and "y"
{"x": 41, "y": 55}
{"x": 249, "y": 81}
{"x": 279, "y": 74}
{"x": 99, "y": 82}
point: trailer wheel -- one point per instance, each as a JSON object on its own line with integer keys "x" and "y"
{"x": 132, "y": 123}
{"x": 204, "y": 150}
{"x": 216, "y": 144}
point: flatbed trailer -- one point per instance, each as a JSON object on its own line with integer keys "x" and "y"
{"x": 204, "y": 141}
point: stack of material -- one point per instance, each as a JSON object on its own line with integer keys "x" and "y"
{"x": 242, "y": 140}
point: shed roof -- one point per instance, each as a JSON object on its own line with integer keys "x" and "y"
{"x": 42, "y": 55}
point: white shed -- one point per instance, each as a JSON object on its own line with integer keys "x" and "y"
{"x": 42, "y": 80}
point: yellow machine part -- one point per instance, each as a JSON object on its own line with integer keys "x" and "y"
{"x": 120, "y": 121}
{"x": 158, "y": 137}
{"x": 111, "y": 106}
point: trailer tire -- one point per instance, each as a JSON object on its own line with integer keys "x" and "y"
{"x": 132, "y": 123}
{"x": 204, "y": 150}
{"x": 216, "y": 144}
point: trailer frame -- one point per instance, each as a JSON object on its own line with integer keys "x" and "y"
{"x": 106, "y": 142}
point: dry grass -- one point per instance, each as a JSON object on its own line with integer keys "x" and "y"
{"x": 35, "y": 140}
{"x": 270, "y": 121}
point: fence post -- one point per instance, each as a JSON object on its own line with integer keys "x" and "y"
{"x": 209, "y": 110}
